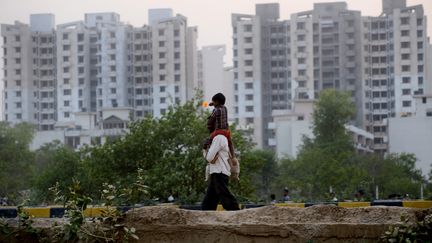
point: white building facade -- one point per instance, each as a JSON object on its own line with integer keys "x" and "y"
{"x": 54, "y": 72}
{"x": 413, "y": 134}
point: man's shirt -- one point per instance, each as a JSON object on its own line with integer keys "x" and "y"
{"x": 219, "y": 147}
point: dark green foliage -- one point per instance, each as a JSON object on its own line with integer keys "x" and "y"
{"x": 329, "y": 160}
{"x": 16, "y": 160}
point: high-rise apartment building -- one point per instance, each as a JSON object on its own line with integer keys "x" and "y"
{"x": 29, "y": 72}
{"x": 381, "y": 61}
{"x": 293, "y": 59}
{"x": 97, "y": 65}
{"x": 396, "y": 66}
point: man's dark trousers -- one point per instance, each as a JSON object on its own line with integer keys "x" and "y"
{"x": 218, "y": 191}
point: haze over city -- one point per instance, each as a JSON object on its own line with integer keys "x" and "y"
{"x": 213, "y": 18}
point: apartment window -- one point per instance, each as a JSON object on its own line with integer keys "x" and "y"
{"x": 177, "y": 89}
{"x": 420, "y": 80}
{"x": 162, "y": 89}
{"x": 406, "y": 80}
{"x": 249, "y": 108}
{"x": 248, "y": 39}
{"x": 17, "y": 83}
{"x": 162, "y": 111}
{"x": 301, "y": 49}
{"x": 406, "y": 68}
{"x": 406, "y": 103}
{"x": 176, "y": 55}
{"x": 161, "y": 66}
{"x": 404, "y": 21}
{"x": 67, "y": 92}
{"x": 249, "y": 74}
{"x": 80, "y": 92}
{"x": 113, "y": 91}
{"x": 18, "y": 71}
{"x": 18, "y": 115}
{"x": 248, "y": 51}
{"x": 113, "y": 46}
{"x": 405, "y": 33}
{"x": 420, "y": 68}
{"x": 18, "y": 104}
{"x": 161, "y": 54}
{"x": 177, "y": 77}
{"x": 66, "y": 103}
{"x": 80, "y": 48}
{"x": 161, "y": 32}
{"x": 80, "y": 70}
{"x": 420, "y": 57}
{"x": 66, "y": 70}
{"x": 405, "y": 45}
{"x": 406, "y": 91}
{"x": 249, "y": 97}
{"x": 249, "y": 120}
{"x": 17, "y": 49}
{"x": 161, "y": 77}
{"x": 176, "y": 33}
{"x": 66, "y": 47}
{"x": 420, "y": 45}
{"x": 247, "y": 28}
{"x": 161, "y": 43}
{"x": 17, "y": 60}
{"x": 162, "y": 100}
{"x": 65, "y": 81}
{"x": 301, "y": 25}
{"x": 66, "y": 114}
{"x": 17, "y": 94}
{"x": 248, "y": 62}
{"x": 249, "y": 85}
{"x": 419, "y": 33}
{"x": 405, "y": 56}
{"x": 419, "y": 22}
{"x": 301, "y": 37}
{"x": 80, "y": 37}
{"x": 80, "y": 59}
{"x": 65, "y": 36}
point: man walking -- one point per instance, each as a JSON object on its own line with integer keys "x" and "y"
{"x": 219, "y": 168}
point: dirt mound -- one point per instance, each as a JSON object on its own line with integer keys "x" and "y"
{"x": 268, "y": 224}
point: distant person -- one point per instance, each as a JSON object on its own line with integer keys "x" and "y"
{"x": 273, "y": 199}
{"x": 359, "y": 196}
{"x": 170, "y": 198}
{"x": 333, "y": 197}
{"x": 286, "y": 196}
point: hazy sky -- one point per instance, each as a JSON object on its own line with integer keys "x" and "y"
{"x": 213, "y": 17}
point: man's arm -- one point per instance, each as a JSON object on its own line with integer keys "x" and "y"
{"x": 214, "y": 149}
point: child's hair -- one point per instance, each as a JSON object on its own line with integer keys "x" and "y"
{"x": 219, "y": 97}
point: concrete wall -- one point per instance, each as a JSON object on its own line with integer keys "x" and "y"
{"x": 412, "y": 135}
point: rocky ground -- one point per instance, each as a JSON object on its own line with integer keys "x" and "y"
{"x": 269, "y": 224}
{"x": 321, "y": 223}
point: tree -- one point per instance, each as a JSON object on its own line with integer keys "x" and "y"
{"x": 16, "y": 160}
{"x": 332, "y": 111}
{"x": 169, "y": 151}
{"x": 55, "y": 162}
